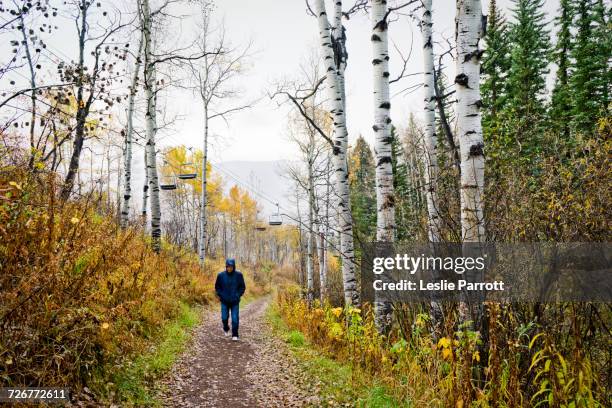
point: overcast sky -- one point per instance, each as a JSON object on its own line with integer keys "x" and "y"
{"x": 283, "y": 35}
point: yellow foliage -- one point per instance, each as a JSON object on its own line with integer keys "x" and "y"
{"x": 179, "y": 160}
{"x": 416, "y": 372}
{"x": 69, "y": 274}
{"x": 444, "y": 342}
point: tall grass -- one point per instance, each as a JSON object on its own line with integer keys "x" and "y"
{"x": 528, "y": 365}
{"x": 80, "y": 296}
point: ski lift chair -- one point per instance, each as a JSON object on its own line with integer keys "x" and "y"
{"x": 168, "y": 183}
{"x": 276, "y": 219}
{"x": 184, "y": 174}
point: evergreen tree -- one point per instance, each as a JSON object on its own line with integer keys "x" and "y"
{"x": 561, "y": 104}
{"x": 603, "y": 34}
{"x": 590, "y": 81}
{"x": 362, "y": 186}
{"x": 401, "y": 185}
{"x": 526, "y": 83}
{"x": 495, "y": 66}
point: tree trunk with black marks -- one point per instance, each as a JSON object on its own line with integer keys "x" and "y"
{"x": 145, "y": 190}
{"x": 129, "y": 132}
{"x": 311, "y": 227}
{"x": 471, "y": 146}
{"x": 469, "y": 128}
{"x": 324, "y": 236}
{"x": 430, "y": 137}
{"x": 334, "y": 57}
{"x": 385, "y": 200}
{"x": 151, "y": 126}
{"x": 204, "y": 198}
{"x": 83, "y": 108}
{"x": 322, "y": 264}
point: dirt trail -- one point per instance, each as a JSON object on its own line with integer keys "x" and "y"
{"x": 257, "y": 371}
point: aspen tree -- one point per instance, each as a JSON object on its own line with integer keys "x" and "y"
{"x": 129, "y": 132}
{"x": 332, "y": 40}
{"x": 469, "y": 127}
{"x": 151, "y": 125}
{"x": 430, "y": 136}
{"x": 385, "y": 199}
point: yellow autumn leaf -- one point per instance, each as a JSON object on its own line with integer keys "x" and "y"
{"x": 105, "y": 326}
{"x": 444, "y": 342}
{"x": 14, "y": 184}
{"x": 74, "y": 220}
{"x": 337, "y": 311}
{"x": 476, "y": 356}
{"x": 447, "y": 353}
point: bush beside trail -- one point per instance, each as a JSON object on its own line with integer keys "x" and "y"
{"x": 79, "y": 295}
{"x": 527, "y": 365}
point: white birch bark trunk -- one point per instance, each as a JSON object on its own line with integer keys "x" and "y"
{"x": 430, "y": 146}
{"x": 127, "y": 158}
{"x": 385, "y": 220}
{"x": 204, "y": 198}
{"x": 326, "y": 235}
{"x": 311, "y": 230}
{"x": 145, "y": 190}
{"x": 469, "y": 127}
{"x": 108, "y": 179}
{"x": 118, "y": 192}
{"x": 385, "y": 200}
{"x": 469, "y": 130}
{"x": 335, "y": 85}
{"x": 323, "y": 237}
{"x": 322, "y": 265}
{"x": 203, "y": 88}
{"x": 151, "y": 127}
{"x": 430, "y": 138}
{"x": 300, "y": 240}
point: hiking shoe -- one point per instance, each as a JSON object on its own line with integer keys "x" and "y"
{"x": 235, "y": 338}
{"x": 226, "y": 333}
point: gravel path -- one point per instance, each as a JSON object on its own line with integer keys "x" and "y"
{"x": 257, "y": 371}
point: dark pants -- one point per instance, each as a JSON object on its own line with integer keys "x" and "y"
{"x": 225, "y": 312}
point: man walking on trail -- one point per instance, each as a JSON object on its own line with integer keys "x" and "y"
{"x": 230, "y": 287}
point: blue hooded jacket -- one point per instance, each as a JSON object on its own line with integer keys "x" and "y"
{"x": 230, "y": 286}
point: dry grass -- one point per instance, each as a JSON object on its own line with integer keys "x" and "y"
{"x": 78, "y": 294}
{"x": 527, "y": 365}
